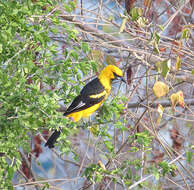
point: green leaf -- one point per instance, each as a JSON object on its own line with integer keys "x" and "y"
{"x": 144, "y": 138}
{"x": 1, "y": 48}
{"x": 98, "y": 177}
{"x": 161, "y": 27}
{"x": 122, "y": 27}
{"x": 10, "y": 172}
{"x": 109, "y": 145}
{"x": 134, "y": 149}
{"x": 128, "y": 182}
{"x": 156, "y": 49}
{"x": 185, "y": 34}
{"x": 164, "y": 67}
{"x": 136, "y": 13}
{"x": 178, "y": 63}
{"x": 192, "y": 71}
{"x": 157, "y": 38}
{"x": 85, "y": 47}
{"x": 68, "y": 8}
{"x": 165, "y": 167}
{"x": 46, "y": 186}
{"x": 189, "y": 156}
{"x": 156, "y": 173}
{"x": 74, "y": 55}
{"x": 72, "y": 4}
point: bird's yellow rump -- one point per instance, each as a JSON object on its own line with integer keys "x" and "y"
{"x": 90, "y": 98}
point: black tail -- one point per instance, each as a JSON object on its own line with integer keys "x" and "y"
{"x": 52, "y": 139}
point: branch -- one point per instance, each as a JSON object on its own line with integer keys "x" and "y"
{"x": 29, "y": 168}
{"x": 108, "y": 39}
{"x": 47, "y": 181}
{"x": 144, "y": 179}
{"x": 169, "y": 21}
{"x": 164, "y": 103}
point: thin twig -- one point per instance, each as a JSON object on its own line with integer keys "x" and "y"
{"x": 164, "y": 103}
{"x": 46, "y": 181}
{"x": 151, "y": 175}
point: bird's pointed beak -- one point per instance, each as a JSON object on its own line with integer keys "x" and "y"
{"x": 123, "y": 80}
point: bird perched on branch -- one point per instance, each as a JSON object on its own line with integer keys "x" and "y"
{"x": 90, "y": 98}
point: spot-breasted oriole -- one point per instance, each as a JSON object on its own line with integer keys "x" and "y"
{"x": 90, "y": 98}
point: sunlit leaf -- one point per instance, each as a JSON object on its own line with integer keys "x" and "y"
{"x": 156, "y": 173}
{"x": 109, "y": 145}
{"x": 136, "y": 13}
{"x": 68, "y": 8}
{"x": 165, "y": 167}
{"x": 160, "y": 110}
{"x": 142, "y": 22}
{"x": 140, "y": 11}
{"x": 177, "y": 98}
{"x": 101, "y": 165}
{"x": 174, "y": 99}
{"x": 161, "y": 27}
{"x": 189, "y": 156}
{"x": 160, "y": 89}
{"x": 72, "y": 4}
{"x": 181, "y": 99}
{"x": 1, "y": 48}
{"x": 85, "y": 47}
{"x": 163, "y": 67}
{"x": 178, "y": 63}
{"x": 157, "y": 37}
{"x": 124, "y": 21}
{"x": 110, "y": 18}
{"x": 110, "y": 28}
{"x": 94, "y": 129}
{"x": 186, "y": 34}
{"x": 156, "y": 49}
{"x": 156, "y": 40}
{"x": 173, "y": 169}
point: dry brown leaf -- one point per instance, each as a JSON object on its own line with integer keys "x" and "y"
{"x": 129, "y": 75}
{"x": 177, "y": 139}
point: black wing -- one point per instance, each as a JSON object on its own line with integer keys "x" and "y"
{"x": 81, "y": 102}
{"x": 84, "y": 101}
{"x": 75, "y": 103}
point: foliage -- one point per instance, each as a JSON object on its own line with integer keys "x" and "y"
{"x": 50, "y": 49}
{"x": 32, "y": 78}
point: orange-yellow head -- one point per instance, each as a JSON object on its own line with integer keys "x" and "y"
{"x": 111, "y": 72}
{"x": 108, "y": 74}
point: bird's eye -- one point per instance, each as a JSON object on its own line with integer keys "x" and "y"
{"x": 115, "y": 75}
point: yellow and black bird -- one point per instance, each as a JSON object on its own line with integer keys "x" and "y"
{"x": 90, "y": 98}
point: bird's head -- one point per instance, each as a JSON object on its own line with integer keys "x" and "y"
{"x": 111, "y": 72}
